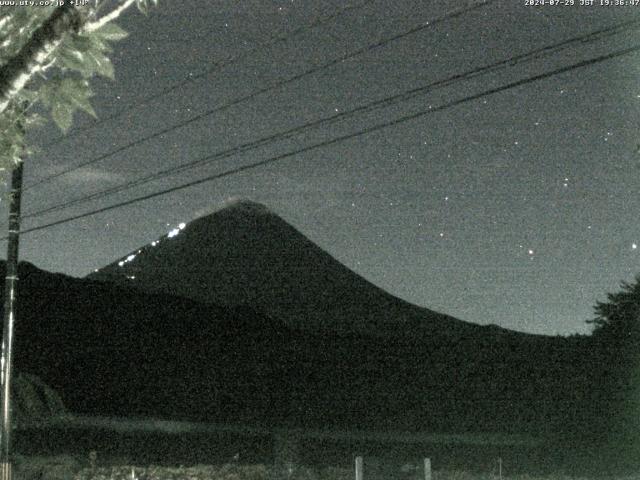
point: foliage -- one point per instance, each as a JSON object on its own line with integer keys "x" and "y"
{"x": 34, "y": 401}
{"x": 619, "y": 317}
{"x": 614, "y": 360}
{"x": 62, "y": 86}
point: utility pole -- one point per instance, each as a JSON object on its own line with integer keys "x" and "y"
{"x": 10, "y": 300}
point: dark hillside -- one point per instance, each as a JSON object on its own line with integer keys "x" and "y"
{"x": 247, "y": 255}
{"x": 111, "y": 350}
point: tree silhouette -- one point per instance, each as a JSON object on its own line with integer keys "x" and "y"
{"x": 614, "y": 360}
{"x": 618, "y": 319}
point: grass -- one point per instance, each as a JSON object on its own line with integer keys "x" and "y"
{"x": 71, "y": 468}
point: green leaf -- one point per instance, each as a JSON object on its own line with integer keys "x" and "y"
{"x": 95, "y": 43}
{"x": 87, "y": 54}
{"x": 72, "y": 59}
{"x": 101, "y": 64}
{"x": 76, "y": 93}
{"x": 81, "y": 43}
{"x": 64, "y": 97}
{"x": 62, "y": 115}
{"x": 110, "y": 32}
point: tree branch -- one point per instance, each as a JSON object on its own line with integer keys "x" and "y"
{"x": 15, "y": 74}
{"x": 4, "y": 20}
{"x": 112, "y": 15}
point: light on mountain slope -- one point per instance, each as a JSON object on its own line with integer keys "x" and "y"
{"x": 176, "y": 231}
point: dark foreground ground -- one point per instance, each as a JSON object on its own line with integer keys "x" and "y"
{"x": 114, "y": 448}
{"x": 66, "y": 468}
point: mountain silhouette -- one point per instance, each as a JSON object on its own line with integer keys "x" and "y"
{"x": 237, "y": 317}
{"x": 351, "y": 344}
{"x": 118, "y": 350}
{"x": 245, "y": 254}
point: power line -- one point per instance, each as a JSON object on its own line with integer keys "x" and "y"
{"x": 336, "y": 140}
{"x": 215, "y": 66}
{"x": 378, "y": 44}
{"x": 412, "y": 93}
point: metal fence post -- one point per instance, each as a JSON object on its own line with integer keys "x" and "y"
{"x": 359, "y": 465}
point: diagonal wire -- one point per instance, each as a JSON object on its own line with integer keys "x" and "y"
{"x": 308, "y": 72}
{"x": 215, "y": 66}
{"x": 373, "y": 128}
{"x": 382, "y": 103}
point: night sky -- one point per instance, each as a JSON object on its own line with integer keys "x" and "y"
{"x": 518, "y": 208}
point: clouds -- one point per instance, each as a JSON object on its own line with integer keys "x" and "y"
{"x": 93, "y": 175}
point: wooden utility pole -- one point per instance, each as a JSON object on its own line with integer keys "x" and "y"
{"x": 10, "y": 300}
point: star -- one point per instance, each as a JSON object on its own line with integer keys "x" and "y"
{"x": 497, "y": 201}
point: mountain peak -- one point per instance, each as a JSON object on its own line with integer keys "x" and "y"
{"x": 244, "y": 254}
{"x": 245, "y": 205}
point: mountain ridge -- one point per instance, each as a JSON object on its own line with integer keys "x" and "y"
{"x": 214, "y": 348}
{"x": 118, "y": 351}
{"x": 245, "y": 254}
